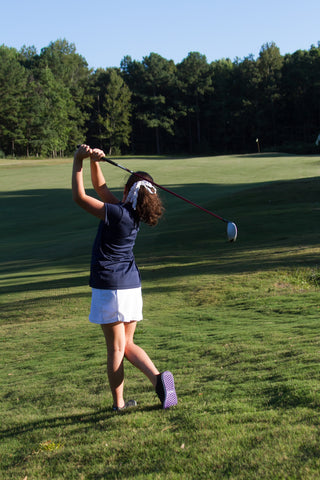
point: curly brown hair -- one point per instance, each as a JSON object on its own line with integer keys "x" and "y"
{"x": 149, "y": 205}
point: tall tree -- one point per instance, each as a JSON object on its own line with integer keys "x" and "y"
{"x": 71, "y": 70}
{"x": 13, "y": 81}
{"x": 244, "y": 97}
{"x": 220, "y": 106}
{"x": 301, "y": 95}
{"x": 112, "y": 112}
{"x": 152, "y": 86}
{"x": 34, "y": 116}
{"x": 56, "y": 124}
{"x": 270, "y": 64}
{"x": 195, "y": 83}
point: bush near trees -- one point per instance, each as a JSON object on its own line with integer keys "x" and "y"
{"x": 51, "y": 101}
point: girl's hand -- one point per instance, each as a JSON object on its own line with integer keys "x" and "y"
{"x": 84, "y": 151}
{"x": 97, "y": 155}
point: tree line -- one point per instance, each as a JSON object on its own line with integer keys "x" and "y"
{"x": 51, "y": 101}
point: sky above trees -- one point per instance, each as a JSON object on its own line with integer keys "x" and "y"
{"x": 106, "y": 31}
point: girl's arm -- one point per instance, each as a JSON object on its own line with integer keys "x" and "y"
{"x": 90, "y": 204}
{"x": 97, "y": 178}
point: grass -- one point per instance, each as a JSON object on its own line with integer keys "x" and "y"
{"x": 238, "y": 324}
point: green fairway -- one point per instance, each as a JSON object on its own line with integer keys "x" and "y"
{"x": 236, "y": 323}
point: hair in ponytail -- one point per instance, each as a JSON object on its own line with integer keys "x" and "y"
{"x": 149, "y": 207}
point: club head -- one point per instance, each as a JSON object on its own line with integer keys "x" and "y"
{"x": 232, "y": 232}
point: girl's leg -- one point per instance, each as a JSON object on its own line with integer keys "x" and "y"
{"x": 115, "y": 339}
{"x": 137, "y": 356}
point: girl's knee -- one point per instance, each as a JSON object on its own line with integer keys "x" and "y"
{"x": 129, "y": 347}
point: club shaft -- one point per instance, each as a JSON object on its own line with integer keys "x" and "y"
{"x": 166, "y": 190}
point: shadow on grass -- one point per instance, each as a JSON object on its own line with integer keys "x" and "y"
{"x": 45, "y": 284}
{"x": 278, "y": 225}
{"x": 34, "y": 308}
{"x": 92, "y": 418}
{"x": 284, "y": 396}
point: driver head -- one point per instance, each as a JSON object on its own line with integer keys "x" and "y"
{"x": 232, "y": 232}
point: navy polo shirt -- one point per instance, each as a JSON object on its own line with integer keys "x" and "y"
{"x": 112, "y": 262}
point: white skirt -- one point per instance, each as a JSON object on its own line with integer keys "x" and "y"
{"x": 110, "y": 306}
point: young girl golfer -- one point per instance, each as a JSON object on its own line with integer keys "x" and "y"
{"x": 115, "y": 280}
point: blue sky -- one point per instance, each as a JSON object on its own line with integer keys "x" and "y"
{"x": 104, "y": 31}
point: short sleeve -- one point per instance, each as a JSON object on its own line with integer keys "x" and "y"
{"x": 114, "y": 213}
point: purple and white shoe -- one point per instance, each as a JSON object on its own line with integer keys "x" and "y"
{"x": 165, "y": 390}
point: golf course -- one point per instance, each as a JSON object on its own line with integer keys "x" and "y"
{"x": 238, "y": 325}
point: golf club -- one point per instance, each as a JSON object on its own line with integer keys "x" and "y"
{"x": 232, "y": 230}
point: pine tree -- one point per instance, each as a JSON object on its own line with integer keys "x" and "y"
{"x": 13, "y": 81}
{"x": 114, "y": 112}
